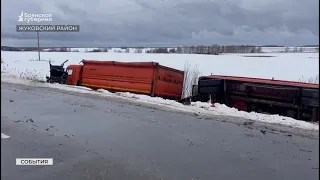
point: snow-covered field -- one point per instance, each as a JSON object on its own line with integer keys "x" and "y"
{"x": 19, "y": 66}
{"x": 282, "y": 66}
{"x": 199, "y": 108}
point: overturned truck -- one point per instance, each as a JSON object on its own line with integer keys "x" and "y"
{"x": 294, "y": 99}
{"x": 149, "y": 78}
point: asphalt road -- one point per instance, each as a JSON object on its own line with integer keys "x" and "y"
{"x": 100, "y": 138}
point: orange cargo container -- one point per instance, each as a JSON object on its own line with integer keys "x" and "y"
{"x": 148, "y": 78}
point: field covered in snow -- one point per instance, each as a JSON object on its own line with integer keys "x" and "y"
{"x": 282, "y": 66}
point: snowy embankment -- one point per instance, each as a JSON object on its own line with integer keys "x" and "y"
{"x": 199, "y": 108}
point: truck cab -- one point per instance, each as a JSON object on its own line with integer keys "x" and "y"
{"x": 74, "y": 74}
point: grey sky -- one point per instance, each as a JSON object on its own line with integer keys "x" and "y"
{"x": 167, "y": 22}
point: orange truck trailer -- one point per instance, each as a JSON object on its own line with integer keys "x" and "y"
{"x": 149, "y": 78}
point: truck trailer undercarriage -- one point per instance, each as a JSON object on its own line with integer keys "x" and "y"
{"x": 293, "y": 99}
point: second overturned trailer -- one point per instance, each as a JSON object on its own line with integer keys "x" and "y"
{"x": 294, "y": 99}
{"x": 148, "y": 78}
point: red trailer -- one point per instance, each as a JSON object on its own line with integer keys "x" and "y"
{"x": 148, "y": 78}
{"x": 295, "y": 99}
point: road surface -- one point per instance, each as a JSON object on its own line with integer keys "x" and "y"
{"x": 99, "y": 138}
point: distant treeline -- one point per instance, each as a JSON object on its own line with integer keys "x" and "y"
{"x": 214, "y": 49}
{"x": 61, "y": 49}
{"x": 7, "y": 48}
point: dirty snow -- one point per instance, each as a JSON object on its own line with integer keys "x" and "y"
{"x": 195, "y": 107}
{"x": 282, "y": 66}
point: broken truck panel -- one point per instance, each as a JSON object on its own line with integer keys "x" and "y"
{"x": 148, "y": 78}
{"x": 57, "y": 73}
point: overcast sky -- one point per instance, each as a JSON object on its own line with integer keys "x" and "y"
{"x": 166, "y": 22}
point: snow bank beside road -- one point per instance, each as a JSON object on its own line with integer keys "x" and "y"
{"x": 221, "y": 109}
{"x": 195, "y": 107}
{"x": 32, "y": 70}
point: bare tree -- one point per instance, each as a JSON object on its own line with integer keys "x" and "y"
{"x": 191, "y": 76}
{"x": 138, "y": 50}
{"x": 172, "y": 50}
{"x": 259, "y": 49}
{"x": 286, "y": 49}
{"x": 179, "y": 50}
{"x": 300, "y": 49}
{"x": 314, "y": 80}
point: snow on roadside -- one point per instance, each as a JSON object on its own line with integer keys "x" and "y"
{"x": 221, "y": 109}
{"x": 195, "y": 107}
{"x": 32, "y": 70}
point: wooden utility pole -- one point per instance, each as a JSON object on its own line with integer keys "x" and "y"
{"x": 38, "y": 45}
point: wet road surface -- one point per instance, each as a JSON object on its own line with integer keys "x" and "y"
{"x": 98, "y": 138}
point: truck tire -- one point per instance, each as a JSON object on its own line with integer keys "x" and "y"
{"x": 312, "y": 93}
{"x": 79, "y": 83}
{"x": 309, "y": 101}
{"x": 210, "y": 82}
